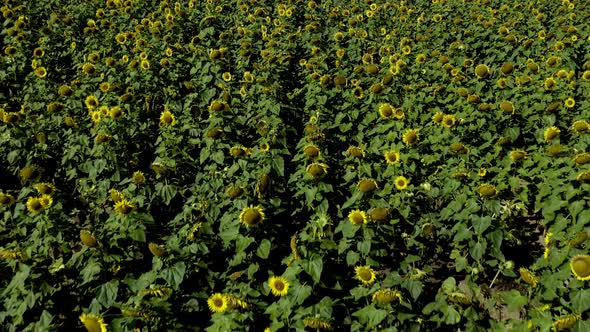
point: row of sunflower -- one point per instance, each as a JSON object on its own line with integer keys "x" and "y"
{"x": 305, "y": 165}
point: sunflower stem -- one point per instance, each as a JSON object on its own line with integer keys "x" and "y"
{"x": 494, "y": 280}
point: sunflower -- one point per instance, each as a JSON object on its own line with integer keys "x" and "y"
{"x": 252, "y": 216}
{"x": 507, "y": 107}
{"x": 482, "y": 172}
{"x": 438, "y": 117}
{"x": 528, "y": 277}
{"x": 367, "y": 185}
{"x": 570, "y": 102}
{"x": 517, "y": 155}
{"x": 93, "y": 323}
{"x": 167, "y": 119}
{"x": 87, "y": 238}
{"x": 34, "y": 205}
{"x": 392, "y": 157}
{"x": 311, "y": 151}
{"x": 356, "y": 152}
{"x": 157, "y": 250}
{"x": 582, "y": 158}
{"x": 46, "y": 201}
{"x": 566, "y": 322}
{"x": 365, "y": 274}
{"x": 549, "y": 83}
{"x": 115, "y": 112}
{"x": 580, "y": 126}
{"x": 317, "y": 170}
{"x": 317, "y": 323}
{"x": 387, "y": 295}
{"x": 6, "y": 199}
{"x": 551, "y": 133}
{"x": 278, "y": 285}
{"x": 41, "y": 72}
{"x": 145, "y": 64}
{"x": 217, "y": 303}
{"x": 386, "y": 111}
{"x": 580, "y": 266}
{"x": 487, "y": 190}
{"x": 357, "y": 217}
{"x": 400, "y": 182}
{"x": 226, "y": 76}
{"x": 449, "y": 120}
{"x": 264, "y": 147}
{"x": 45, "y": 188}
{"x": 91, "y": 102}
{"x": 482, "y": 71}
{"x": 410, "y": 137}
{"x": 124, "y": 207}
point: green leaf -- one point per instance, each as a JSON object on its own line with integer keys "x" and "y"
{"x": 263, "y": 249}
{"x": 370, "y": 316}
{"x": 278, "y": 164}
{"x": 581, "y": 300}
{"x": 514, "y": 300}
{"x": 91, "y": 269}
{"x": 480, "y": 224}
{"x": 314, "y": 268}
{"x": 450, "y": 315}
{"x": 175, "y": 274}
{"x": 300, "y": 293}
{"x": 352, "y": 258}
{"x": 107, "y": 293}
{"x": 414, "y": 287}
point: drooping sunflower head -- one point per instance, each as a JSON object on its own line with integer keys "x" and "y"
{"x": 357, "y": 217}
{"x": 93, "y": 323}
{"x": 379, "y": 214}
{"x": 400, "y": 183}
{"x": 387, "y": 295}
{"x": 551, "y": 133}
{"x": 365, "y": 274}
{"x": 311, "y": 151}
{"x": 252, "y": 216}
{"x": 356, "y": 152}
{"x": 279, "y": 286}
{"x": 582, "y": 158}
{"x": 580, "y": 126}
{"x": 507, "y": 107}
{"x": 317, "y": 323}
{"x": 157, "y": 250}
{"x": 6, "y": 199}
{"x": 217, "y": 303}
{"x": 528, "y": 277}
{"x": 517, "y": 155}
{"x": 367, "y": 185}
{"x": 487, "y": 190}
{"x": 410, "y": 137}
{"x": 565, "y": 322}
{"x": 87, "y": 238}
{"x": 317, "y": 170}
{"x": 392, "y": 157}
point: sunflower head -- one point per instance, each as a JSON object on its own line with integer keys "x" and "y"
{"x": 367, "y": 185}
{"x": 357, "y": 217}
{"x": 93, "y": 323}
{"x": 379, "y": 214}
{"x": 234, "y": 192}
{"x": 6, "y": 199}
{"x": 580, "y": 126}
{"x": 124, "y": 207}
{"x": 356, "y": 152}
{"x": 365, "y": 275}
{"x": 279, "y": 286}
{"x": 410, "y": 137}
{"x": 138, "y": 177}
{"x": 386, "y": 111}
{"x": 317, "y": 170}
{"x": 311, "y": 151}
{"x": 580, "y": 266}
{"x": 252, "y": 216}
{"x": 400, "y": 183}
{"x": 517, "y": 155}
{"x": 570, "y": 102}
{"x": 34, "y": 204}
{"x": 487, "y": 190}
{"x": 217, "y": 303}
{"x": 392, "y": 157}
{"x": 551, "y": 133}
{"x": 167, "y": 119}
{"x": 317, "y": 323}
{"x": 507, "y": 107}
{"x": 157, "y": 249}
{"x": 528, "y": 277}
{"x": 87, "y": 238}
{"x": 565, "y": 322}
{"x": 386, "y": 296}
{"x": 482, "y": 71}
{"x": 582, "y": 158}
{"x": 507, "y": 68}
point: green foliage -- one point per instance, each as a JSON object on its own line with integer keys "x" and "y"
{"x": 294, "y": 165}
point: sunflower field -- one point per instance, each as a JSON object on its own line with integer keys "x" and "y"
{"x": 294, "y": 165}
